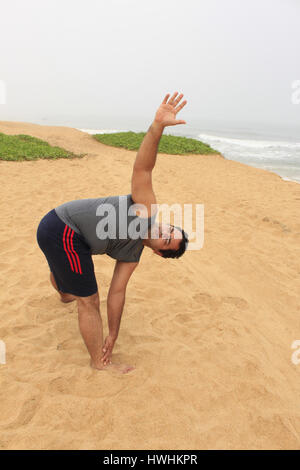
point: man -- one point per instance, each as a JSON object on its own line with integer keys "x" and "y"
{"x": 74, "y": 231}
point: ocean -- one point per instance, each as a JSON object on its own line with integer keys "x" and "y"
{"x": 280, "y": 155}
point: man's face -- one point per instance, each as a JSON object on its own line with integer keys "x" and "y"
{"x": 166, "y": 237}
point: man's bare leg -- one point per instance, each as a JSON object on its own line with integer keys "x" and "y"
{"x": 65, "y": 298}
{"x": 90, "y": 325}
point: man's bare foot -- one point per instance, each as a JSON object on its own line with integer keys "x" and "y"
{"x": 66, "y": 298}
{"x": 118, "y": 368}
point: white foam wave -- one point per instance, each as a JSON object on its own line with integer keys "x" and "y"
{"x": 264, "y": 144}
{"x": 281, "y": 157}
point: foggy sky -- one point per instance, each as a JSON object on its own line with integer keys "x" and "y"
{"x": 234, "y": 60}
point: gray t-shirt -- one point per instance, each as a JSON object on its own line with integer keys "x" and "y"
{"x": 108, "y": 225}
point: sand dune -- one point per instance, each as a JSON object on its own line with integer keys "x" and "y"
{"x": 210, "y": 334}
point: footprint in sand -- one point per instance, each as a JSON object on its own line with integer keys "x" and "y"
{"x": 184, "y": 318}
{"x": 209, "y": 303}
{"x": 25, "y": 415}
{"x": 206, "y": 301}
{"x": 236, "y": 301}
{"x": 284, "y": 227}
{"x": 143, "y": 339}
{"x": 60, "y": 385}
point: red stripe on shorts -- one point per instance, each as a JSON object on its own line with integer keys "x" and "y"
{"x": 70, "y": 251}
{"x": 77, "y": 257}
{"x": 65, "y": 248}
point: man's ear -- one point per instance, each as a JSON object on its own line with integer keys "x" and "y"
{"x": 156, "y": 252}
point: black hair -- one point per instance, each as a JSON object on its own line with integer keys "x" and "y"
{"x": 180, "y": 250}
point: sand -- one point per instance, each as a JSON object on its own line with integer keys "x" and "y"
{"x": 210, "y": 334}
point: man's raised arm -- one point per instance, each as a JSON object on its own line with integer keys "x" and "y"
{"x": 141, "y": 182}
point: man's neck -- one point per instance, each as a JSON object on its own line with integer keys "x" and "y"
{"x": 146, "y": 242}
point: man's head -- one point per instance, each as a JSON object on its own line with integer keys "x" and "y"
{"x": 167, "y": 240}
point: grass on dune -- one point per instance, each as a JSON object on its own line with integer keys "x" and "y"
{"x": 25, "y": 147}
{"x": 168, "y": 144}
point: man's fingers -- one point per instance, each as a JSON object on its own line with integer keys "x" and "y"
{"x": 166, "y": 98}
{"x": 178, "y": 99}
{"x": 180, "y": 106}
{"x": 172, "y": 101}
{"x": 173, "y": 98}
{"x": 104, "y": 355}
{"x": 104, "y": 359}
{"x": 107, "y": 359}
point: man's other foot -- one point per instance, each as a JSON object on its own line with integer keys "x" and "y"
{"x": 118, "y": 368}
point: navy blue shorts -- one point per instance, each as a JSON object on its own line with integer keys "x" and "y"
{"x": 68, "y": 255}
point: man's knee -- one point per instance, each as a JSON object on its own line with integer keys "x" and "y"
{"x": 90, "y": 300}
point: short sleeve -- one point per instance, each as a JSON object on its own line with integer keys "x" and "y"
{"x": 129, "y": 254}
{"x": 134, "y": 258}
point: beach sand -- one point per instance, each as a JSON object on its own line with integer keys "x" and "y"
{"x": 210, "y": 334}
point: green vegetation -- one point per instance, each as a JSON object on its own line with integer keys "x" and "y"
{"x": 168, "y": 144}
{"x": 24, "y": 147}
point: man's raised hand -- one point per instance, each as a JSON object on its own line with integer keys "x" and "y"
{"x": 166, "y": 113}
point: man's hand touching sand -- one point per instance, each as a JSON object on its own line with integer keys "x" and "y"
{"x": 166, "y": 113}
{"x": 105, "y": 362}
{"x": 108, "y": 346}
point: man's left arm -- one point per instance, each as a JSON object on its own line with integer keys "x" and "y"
{"x": 115, "y": 304}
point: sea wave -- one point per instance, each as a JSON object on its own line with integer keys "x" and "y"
{"x": 280, "y": 157}
{"x": 263, "y": 144}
